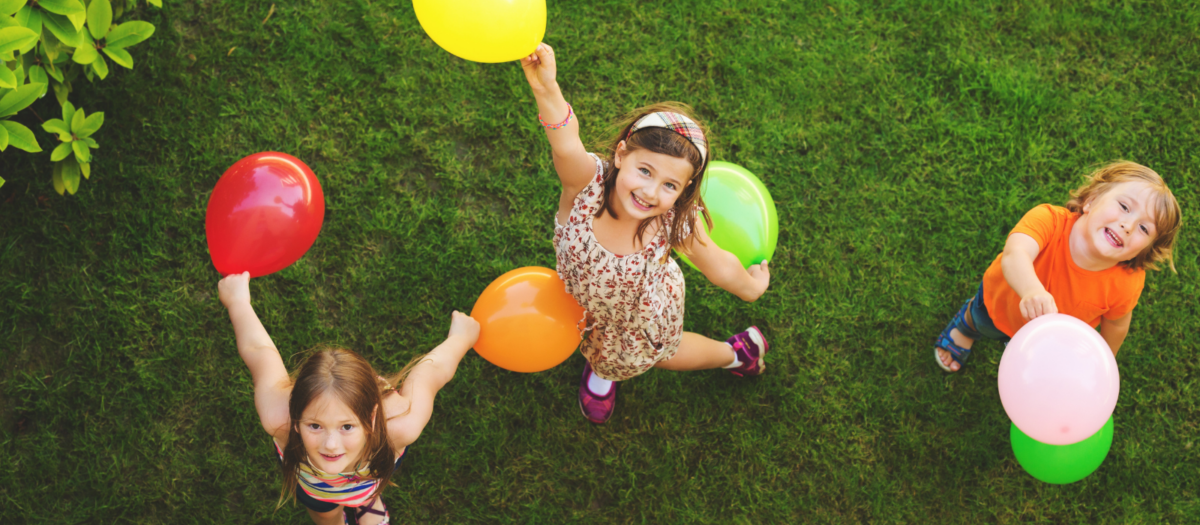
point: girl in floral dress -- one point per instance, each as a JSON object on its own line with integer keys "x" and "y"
{"x": 618, "y": 220}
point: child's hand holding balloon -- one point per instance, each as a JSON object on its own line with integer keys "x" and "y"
{"x": 464, "y": 327}
{"x": 541, "y": 69}
{"x": 234, "y": 289}
{"x": 762, "y": 278}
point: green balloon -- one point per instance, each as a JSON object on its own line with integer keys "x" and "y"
{"x": 744, "y": 219}
{"x": 1061, "y": 464}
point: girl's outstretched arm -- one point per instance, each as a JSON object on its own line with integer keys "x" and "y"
{"x": 575, "y": 168}
{"x": 724, "y": 269}
{"x": 427, "y": 378}
{"x": 1020, "y": 250}
{"x": 271, "y": 383}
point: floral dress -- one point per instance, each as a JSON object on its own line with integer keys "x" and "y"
{"x": 634, "y": 301}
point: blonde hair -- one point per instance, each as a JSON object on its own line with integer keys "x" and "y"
{"x": 1167, "y": 215}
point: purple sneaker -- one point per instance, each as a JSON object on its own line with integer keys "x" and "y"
{"x": 596, "y": 408}
{"x": 750, "y": 347}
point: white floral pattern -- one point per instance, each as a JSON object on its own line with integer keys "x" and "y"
{"x": 634, "y": 302}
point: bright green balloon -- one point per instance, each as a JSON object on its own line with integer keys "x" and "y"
{"x": 743, "y": 214}
{"x": 1062, "y": 463}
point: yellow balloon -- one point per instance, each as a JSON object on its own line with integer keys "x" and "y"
{"x": 484, "y": 30}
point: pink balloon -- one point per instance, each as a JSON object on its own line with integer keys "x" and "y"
{"x": 1058, "y": 380}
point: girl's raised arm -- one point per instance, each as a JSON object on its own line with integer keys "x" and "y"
{"x": 427, "y": 378}
{"x": 258, "y": 351}
{"x": 575, "y": 168}
{"x": 724, "y": 269}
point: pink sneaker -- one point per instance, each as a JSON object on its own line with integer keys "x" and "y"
{"x": 750, "y": 347}
{"x": 596, "y": 408}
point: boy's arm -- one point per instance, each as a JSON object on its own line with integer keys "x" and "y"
{"x": 260, "y": 355}
{"x": 724, "y": 269}
{"x": 1114, "y": 331}
{"x": 1017, "y": 265}
{"x": 574, "y": 166}
{"x": 428, "y": 377}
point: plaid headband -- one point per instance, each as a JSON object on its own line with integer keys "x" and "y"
{"x": 680, "y": 124}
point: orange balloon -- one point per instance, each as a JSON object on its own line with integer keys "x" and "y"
{"x": 527, "y": 321}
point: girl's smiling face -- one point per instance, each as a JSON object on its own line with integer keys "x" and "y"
{"x": 333, "y": 436}
{"x": 1119, "y": 224}
{"x": 648, "y": 183}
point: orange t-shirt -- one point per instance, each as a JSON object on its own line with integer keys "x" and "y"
{"x": 1086, "y": 295}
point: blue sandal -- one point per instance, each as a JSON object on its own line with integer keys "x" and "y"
{"x": 945, "y": 342}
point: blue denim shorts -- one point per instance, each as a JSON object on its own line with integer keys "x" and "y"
{"x": 983, "y": 322}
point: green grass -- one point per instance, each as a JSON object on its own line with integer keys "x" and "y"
{"x": 900, "y": 141}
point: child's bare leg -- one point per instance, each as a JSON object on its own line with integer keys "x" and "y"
{"x": 333, "y": 517}
{"x": 697, "y": 352}
{"x": 960, "y": 340}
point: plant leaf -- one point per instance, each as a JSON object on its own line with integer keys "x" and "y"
{"x": 20, "y": 137}
{"x": 86, "y": 52}
{"x": 86, "y": 169}
{"x": 77, "y": 121}
{"x": 81, "y": 151}
{"x": 61, "y": 91}
{"x": 62, "y": 7}
{"x": 101, "y": 67}
{"x": 57, "y": 178}
{"x": 8, "y": 7}
{"x": 19, "y": 99}
{"x": 55, "y": 73}
{"x": 155, "y": 3}
{"x": 56, "y": 126}
{"x": 77, "y": 20}
{"x": 70, "y": 175}
{"x": 63, "y": 29}
{"x": 37, "y": 74}
{"x": 3, "y": 138}
{"x": 19, "y": 72}
{"x": 14, "y": 38}
{"x": 91, "y": 142}
{"x": 9, "y": 21}
{"x": 90, "y": 124}
{"x": 129, "y": 33}
{"x": 68, "y": 112}
{"x": 99, "y": 17}
{"x": 60, "y": 152}
{"x": 120, "y": 56}
{"x": 7, "y": 78}
{"x": 1, "y": 182}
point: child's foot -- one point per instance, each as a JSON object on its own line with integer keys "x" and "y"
{"x": 597, "y": 407}
{"x": 946, "y": 358}
{"x": 953, "y": 347}
{"x": 750, "y": 347}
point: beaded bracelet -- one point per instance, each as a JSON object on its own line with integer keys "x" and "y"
{"x": 570, "y": 112}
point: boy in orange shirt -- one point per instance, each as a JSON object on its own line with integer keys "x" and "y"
{"x": 1086, "y": 260}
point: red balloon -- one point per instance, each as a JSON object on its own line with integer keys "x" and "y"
{"x": 264, "y": 214}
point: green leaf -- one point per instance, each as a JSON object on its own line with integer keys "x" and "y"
{"x": 20, "y": 137}
{"x": 155, "y": 3}
{"x": 20, "y": 98}
{"x": 57, "y": 178}
{"x": 19, "y": 72}
{"x": 7, "y": 78}
{"x": 68, "y": 112}
{"x": 101, "y": 67}
{"x": 120, "y": 56}
{"x": 81, "y": 151}
{"x": 90, "y": 124}
{"x": 62, "y": 7}
{"x": 70, "y": 175}
{"x": 77, "y": 121}
{"x": 63, "y": 29}
{"x": 3, "y": 138}
{"x": 61, "y": 91}
{"x": 9, "y": 7}
{"x": 86, "y": 169}
{"x": 61, "y": 152}
{"x": 77, "y": 20}
{"x": 129, "y": 33}
{"x": 99, "y": 17}
{"x": 14, "y": 38}
{"x": 91, "y": 142}
{"x": 37, "y": 74}
{"x": 86, "y": 52}
{"x": 1, "y": 182}
{"x": 8, "y": 21}
{"x": 56, "y": 126}
{"x": 55, "y": 73}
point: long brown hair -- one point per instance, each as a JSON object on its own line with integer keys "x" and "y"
{"x": 351, "y": 379}
{"x": 1167, "y": 215}
{"x": 666, "y": 142}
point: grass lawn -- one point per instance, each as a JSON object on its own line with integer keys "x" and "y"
{"x": 900, "y": 141}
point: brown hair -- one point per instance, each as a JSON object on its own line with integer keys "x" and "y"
{"x": 1167, "y": 215}
{"x": 666, "y": 142}
{"x": 352, "y": 380}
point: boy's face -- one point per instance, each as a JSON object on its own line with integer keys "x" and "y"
{"x": 332, "y": 434}
{"x": 1119, "y": 225}
{"x": 648, "y": 183}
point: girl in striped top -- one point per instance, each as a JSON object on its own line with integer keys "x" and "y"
{"x": 339, "y": 428}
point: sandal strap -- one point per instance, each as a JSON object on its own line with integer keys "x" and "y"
{"x": 960, "y": 321}
{"x": 957, "y": 353}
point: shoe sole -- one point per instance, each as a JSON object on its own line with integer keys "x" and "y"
{"x": 759, "y": 339}
{"x": 585, "y": 415}
{"x": 937, "y": 358}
